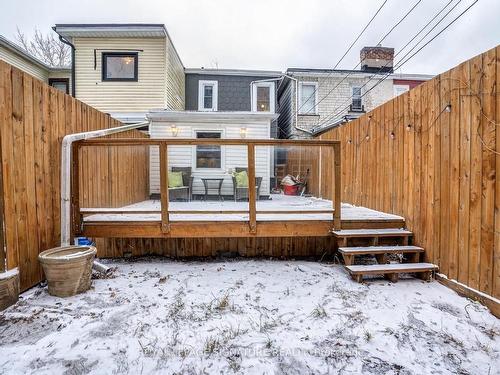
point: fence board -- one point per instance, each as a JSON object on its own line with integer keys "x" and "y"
{"x": 33, "y": 120}
{"x": 488, "y": 166}
{"x": 442, "y": 175}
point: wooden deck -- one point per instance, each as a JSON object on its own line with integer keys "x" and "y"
{"x": 282, "y": 216}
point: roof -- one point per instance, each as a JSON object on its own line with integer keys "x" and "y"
{"x": 402, "y": 76}
{"x": 129, "y": 117}
{"x": 412, "y": 77}
{"x": 321, "y": 129}
{"x": 124, "y": 30}
{"x": 114, "y": 30}
{"x": 210, "y": 117}
{"x": 234, "y": 72}
{"x": 313, "y": 71}
{"x": 11, "y": 46}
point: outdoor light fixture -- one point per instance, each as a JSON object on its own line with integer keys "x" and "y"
{"x": 174, "y": 129}
{"x": 448, "y": 108}
{"x": 243, "y": 132}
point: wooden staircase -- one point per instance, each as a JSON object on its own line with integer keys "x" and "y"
{"x": 395, "y": 241}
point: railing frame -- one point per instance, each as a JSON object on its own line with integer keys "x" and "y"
{"x": 77, "y": 213}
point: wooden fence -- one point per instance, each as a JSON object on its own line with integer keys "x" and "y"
{"x": 432, "y": 156}
{"x": 33, "y": 120}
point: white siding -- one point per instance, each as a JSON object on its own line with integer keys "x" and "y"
{"x": 233, "y": 156}
{"x": 141, "y": 96}
{"x": 175, "y": 86}
{"x": 24, "y": 64}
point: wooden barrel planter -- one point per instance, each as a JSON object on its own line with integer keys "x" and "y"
{"x": 9, "y": 288}
{"x": 68, "y": 269}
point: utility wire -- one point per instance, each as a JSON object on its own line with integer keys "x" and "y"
{"x": 335, "y": 111}
{"x": 345, "y": 54}
{"x": 422, "y": 47}
{"x": 359, "y": 63}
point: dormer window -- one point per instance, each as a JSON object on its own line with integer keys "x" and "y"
{"x": 119, "y": 66}
{"x": 207, "y": 95}
{"x": 263, "y": 97}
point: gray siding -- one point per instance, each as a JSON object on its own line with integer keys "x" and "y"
{"x": 286, "y": 104}
{"x": 233, "y": 94}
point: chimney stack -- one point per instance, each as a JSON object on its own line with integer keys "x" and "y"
{"x": 374, "y": 59}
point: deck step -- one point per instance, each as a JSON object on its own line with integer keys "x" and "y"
{"x": 365, "y": 250}
{"x": 380, "y": 253}
{"x": 360, "y": 233}
{"x": 391, "y": 271}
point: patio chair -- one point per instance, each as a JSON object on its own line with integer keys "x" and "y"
{"x": 183, "y": 192}
{"x": 241, "y": 192}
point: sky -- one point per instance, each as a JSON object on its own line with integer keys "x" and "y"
{"x": 275, "y": 35}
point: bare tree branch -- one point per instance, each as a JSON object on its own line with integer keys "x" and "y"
{"x": 45, "y": 48}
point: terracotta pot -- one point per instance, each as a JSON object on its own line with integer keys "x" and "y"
{"x": 68, "y": 269}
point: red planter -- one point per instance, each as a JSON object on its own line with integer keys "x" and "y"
{"x": 291, "y": 190}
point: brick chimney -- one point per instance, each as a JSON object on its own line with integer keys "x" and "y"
{"x": 374, "y": 59}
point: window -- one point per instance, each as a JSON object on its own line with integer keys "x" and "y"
{"x": 263, "y": 97}
{"x": 207, "y": 95}
{"x": 400, "y": 89}
{"x": 119, "y": 66}
{"x": 308, "y": 97}
{"x": 208, "y": 156}
{"x": 357, "y": 103}
{"x": 60, "y": 84}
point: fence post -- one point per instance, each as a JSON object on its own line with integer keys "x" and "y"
{"x": 165, "y": 223}
{"x": 337, "y": 187}
{"x": 251, "y": 189}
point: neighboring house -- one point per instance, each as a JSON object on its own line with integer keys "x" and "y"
{"x": 311, "y": 100}
{"x": 18, "y": 57}
{"x": 231, "y": 90}
{"x": 212, "y": 161}
{"x": 125, "y": 69}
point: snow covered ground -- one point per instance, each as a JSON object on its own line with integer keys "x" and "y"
{"x": 248, "y": 316}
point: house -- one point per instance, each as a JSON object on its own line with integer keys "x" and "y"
{"x": 212, "y": 161}
{"x": 125, "y": 69}
{"x": 311, "y": 100}
{"x": 58, "y": 77}
{"x": 131, "y": 70}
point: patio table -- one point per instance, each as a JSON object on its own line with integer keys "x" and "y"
{"x": 207, "y": 180}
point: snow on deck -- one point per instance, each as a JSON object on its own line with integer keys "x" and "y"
{"x": 278, "y": 202}
{"x": 251, "y": 317}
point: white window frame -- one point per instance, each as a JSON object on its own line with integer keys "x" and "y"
{"x": 272, "y": 97}
{"x": 360, "y": 97}
{"x": 201, "y": 95}
{"x": 306, "y": 83}
{"x": 222, "y": 149}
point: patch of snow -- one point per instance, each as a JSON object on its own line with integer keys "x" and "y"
{"x": 8, "y": 274}
{"x": 279, "y": 202}
{"x": 248, "y": 316}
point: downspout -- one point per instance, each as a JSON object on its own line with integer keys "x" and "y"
{"x": 66, "y": 152}
{"x": 296, "y": 116}
{"x": 73, "y": 75}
